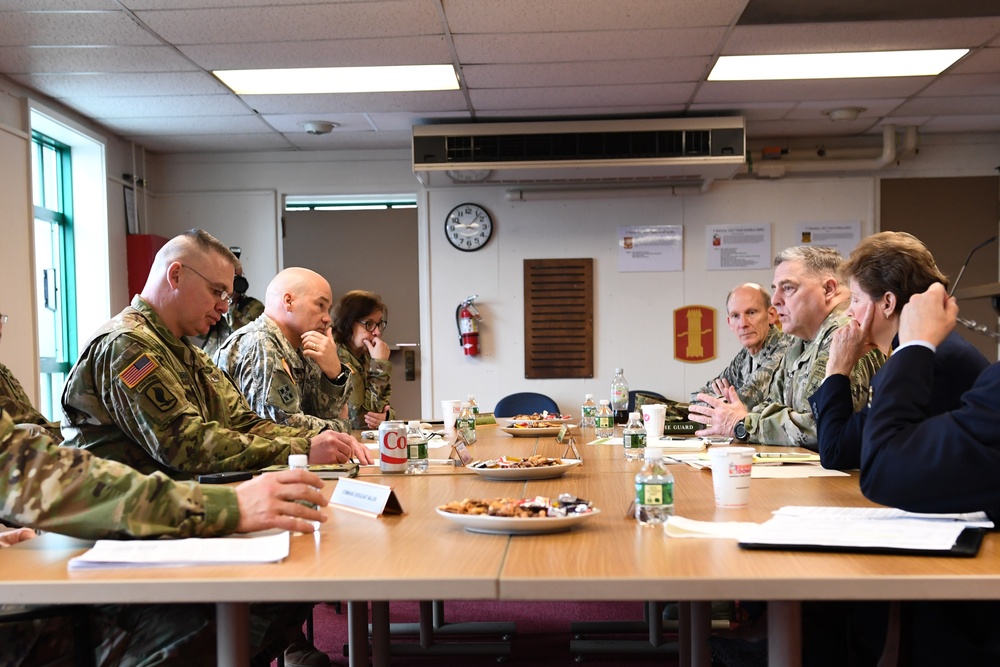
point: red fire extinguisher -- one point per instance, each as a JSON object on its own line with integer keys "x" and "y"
{"x": 468, "y": 319}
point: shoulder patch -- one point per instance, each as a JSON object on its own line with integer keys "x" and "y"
{"x": 138, "y": 370}
{"x": 160, "y": 396}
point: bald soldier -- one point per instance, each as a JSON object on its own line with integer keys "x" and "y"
{"x": 753, "y": 319}
{"x": 286, "y": 363}
{"x": 143, "y": 395}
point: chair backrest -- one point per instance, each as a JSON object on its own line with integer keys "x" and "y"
{"x": 631, "y": 397}
{"x": 524, "y": 402}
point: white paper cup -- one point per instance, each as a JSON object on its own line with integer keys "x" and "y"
{"x": 653, "y": 416}
{"x": 450, "y": 410}
{"x": 731, "y": 475}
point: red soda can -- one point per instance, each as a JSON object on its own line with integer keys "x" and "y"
{"x": 392, "y": 446}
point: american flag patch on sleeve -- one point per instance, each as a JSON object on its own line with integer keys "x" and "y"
{"x": 137, "y": 371}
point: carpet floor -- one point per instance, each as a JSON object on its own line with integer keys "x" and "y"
{"x": 541, "y": 637}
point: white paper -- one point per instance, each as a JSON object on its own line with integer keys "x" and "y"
{"x": 263, "y": 547}
{"x": 866, "y": 533}
{"x": 678, "y": 526}
{"x": 798, "y": 471}
{"x": 970, "y": 519}
{"x": 843, "y": 236}
{"x": 651, "y": 248}
{"x": 738, "y": 247}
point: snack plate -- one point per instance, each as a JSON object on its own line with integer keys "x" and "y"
{"x": 541, "y": 472}
{"x": 504, "y": 525}
{"x": 560, "y": 420}
{"x": 531, "y": 432}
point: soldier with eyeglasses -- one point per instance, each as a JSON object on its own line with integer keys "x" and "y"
{"x": 359, "y": 320}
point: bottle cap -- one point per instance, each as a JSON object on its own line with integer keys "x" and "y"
{"x": 472, "y": 397}
{"x": 413, "y": 422}
{"x": 465, "y": 404}
{"x": 617, "y": 371}
{"x": 588, "y": 397}
{"x": 605, "y": 401}
{"x": 298, "y": 461}
{"x": 653, "y": 453}
{"x": 633, "y": 415}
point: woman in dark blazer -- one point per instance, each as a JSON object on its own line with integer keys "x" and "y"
{"x": 883, "y": 272}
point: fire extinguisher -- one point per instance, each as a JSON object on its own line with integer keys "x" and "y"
{"x": 468, "y": 318}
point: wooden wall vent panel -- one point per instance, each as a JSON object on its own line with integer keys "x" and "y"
{"x": 559, "y": 318}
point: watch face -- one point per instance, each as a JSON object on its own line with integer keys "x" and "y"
{"x": 468, "y": 227}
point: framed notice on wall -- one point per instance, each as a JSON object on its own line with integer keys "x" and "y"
{"x": 651, "y": 248}
{"x": 131, "y": 221}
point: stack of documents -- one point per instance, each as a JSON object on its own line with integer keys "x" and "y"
{"x": 864, "y": 529}
{"x": 263, "y": 547}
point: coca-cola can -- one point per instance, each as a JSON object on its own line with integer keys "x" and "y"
{"x": 392, "y": 446}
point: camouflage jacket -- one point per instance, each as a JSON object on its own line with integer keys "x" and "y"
{"x": 369, "y": 386}
{"x": 241, "y": 312}
{"x": 279, "y": 382}
{"x": 19, "y": 407}
{"x": 69, "y": 491}
{"x": 142, "y": 396}
{"x": 751, "y": 373}
{"x": 784, "y": 417}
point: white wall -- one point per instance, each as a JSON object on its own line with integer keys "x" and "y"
{"x": 627, "y": 334}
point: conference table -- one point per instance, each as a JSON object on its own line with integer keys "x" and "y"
{"x": 420, "y": 556}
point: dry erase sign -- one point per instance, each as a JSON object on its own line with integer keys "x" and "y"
{"x": 392, "y": 446}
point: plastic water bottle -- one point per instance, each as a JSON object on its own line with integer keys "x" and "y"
{"x": 605, "y": 422}
{"x": 654, "y": 490}
{"x": 473, "y": 405}
{"x": 588, "y": 412}
{"x": 634, "y": 438}
{"x": 466, "y": 419}
{"x": 619, "y": 397}
{"x": 416, "y": 449}
{"x": 301, "y": 462}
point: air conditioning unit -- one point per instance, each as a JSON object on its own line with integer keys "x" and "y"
{"x": 666, "y": 151}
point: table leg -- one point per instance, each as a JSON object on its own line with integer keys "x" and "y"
{"x": 357, "y": 633}
{"x": 381, "y": 651}
{"x": 700, "y": 629}
{"x": 784, "y": 633}
{"x": 232, "y": 620}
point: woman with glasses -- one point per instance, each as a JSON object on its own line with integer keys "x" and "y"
{"x": 359, "y": 320}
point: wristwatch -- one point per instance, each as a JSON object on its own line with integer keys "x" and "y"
{"x": 740, "y": 431}
{"x": 342, "y": 378}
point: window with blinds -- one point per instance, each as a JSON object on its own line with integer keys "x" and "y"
{"x": 559, "y": 318}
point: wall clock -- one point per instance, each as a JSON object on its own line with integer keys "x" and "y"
{"x": 468, "y": 227}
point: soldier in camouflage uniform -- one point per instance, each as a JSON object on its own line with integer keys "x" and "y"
{"x": 69, "y": 491}
{"x": 286, "y": 363}
{"x": 242, "y": 311}
{"x": 752, "y": 318}
{"x": 142, "y": 394}
{"x": 810, "y": 302}
{"x": 359, "y": 321}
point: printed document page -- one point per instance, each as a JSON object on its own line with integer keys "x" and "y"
{"x": 263, "y": 547}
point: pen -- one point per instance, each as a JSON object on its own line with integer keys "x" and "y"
{"x": 783, "y": 455}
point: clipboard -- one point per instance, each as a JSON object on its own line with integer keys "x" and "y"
{"x": 966, "y": 546}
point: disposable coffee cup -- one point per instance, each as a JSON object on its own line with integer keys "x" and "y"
{"x": 731, "y": 475}
{"x": 450, "y": 410}
{"x": 653, "y": 416}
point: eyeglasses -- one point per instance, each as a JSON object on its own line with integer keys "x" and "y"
{"x": 4, "y": 318}
{"x": 220, "y": 294}
{"x": 370, "y": 325}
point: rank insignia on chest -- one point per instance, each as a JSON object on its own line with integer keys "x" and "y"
{"x": 137, "y": 371}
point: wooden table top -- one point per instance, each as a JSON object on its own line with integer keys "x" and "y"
{"x": 420, "y": 555}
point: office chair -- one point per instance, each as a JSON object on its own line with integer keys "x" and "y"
{"x": 649, "y": 394}
{"x": 525, "y": 402}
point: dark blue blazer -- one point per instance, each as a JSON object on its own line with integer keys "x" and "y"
{"x": 839, "y": 429}
{"x": 946, "y": 463}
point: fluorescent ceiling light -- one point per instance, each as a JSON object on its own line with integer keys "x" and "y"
{"x": 834, "y": 65}
{"x": 302, "y": 81}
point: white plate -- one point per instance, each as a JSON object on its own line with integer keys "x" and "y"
{"x": 502, "y": 525}
{"x": 531, "y": 432}
{"x": 541, "y": 472}
{"x": 561, "y": 420}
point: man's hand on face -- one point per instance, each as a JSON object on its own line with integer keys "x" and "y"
{"x": 321, "y": 348}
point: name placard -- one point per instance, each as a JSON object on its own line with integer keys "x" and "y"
{"x": 365, "y": 497}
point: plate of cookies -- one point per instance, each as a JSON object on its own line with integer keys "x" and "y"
{"x": 515, "y": 468}
{"x": 526, "y": 516}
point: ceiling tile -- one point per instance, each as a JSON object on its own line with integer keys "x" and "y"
{"x": 54, "y": 60}
{"x": 71, "y": 28}
{"x": 971, "y": 123}
{"x": 152, "y": 107}
{"x": 449, "y": 100}
{"x": 573, "y": 96}
{"x": 218, "y": 143}
{"x": 168, "y": 125}
{"x": 600, "y": 72}
{"x": 123, "y": 85}
{"x": 960, "y": 85}
{"x": 951, "y": 106}
{"x": 814, "y": 90}
{"x": 350, "y": 140}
